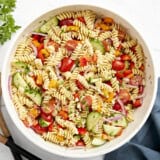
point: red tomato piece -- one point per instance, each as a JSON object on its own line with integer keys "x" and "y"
{"x": 127, "y": 72}
{"x": 137, "y": 103}
{"x": 40, "y": 55}
{"x": 124, "y": 95}
{"x": 38, "y": 129}
{"x": 136, "y": 80}
{"x": 117, "y": 107}
{"x": 82, "y": 61}
{"x": 82, "y": 19}
{"x": 46, "y": 117}
{"x": 50, "y": 127}
{"x": 80, "y": 143}
{"x": 106, "y": 45}
{"x": 119, "y": 75}
{"x": 79, "y": 85}
{"x": 66, "y": 64}
{"x": 82, "y": 131}
{"x": 63, "y": 114}
{"x": 132, "y": 65}
{"x": 118, "y": 65}
{"x": 71, "y": 45}
{"x": 87, "y": 100}
{"x": 125, "y": 57}
{"x": 66, "y": 22}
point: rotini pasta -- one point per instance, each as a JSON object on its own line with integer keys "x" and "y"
{"x": 78, "y": 79}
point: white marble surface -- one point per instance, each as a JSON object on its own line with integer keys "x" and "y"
{"x": 143, "y": 14}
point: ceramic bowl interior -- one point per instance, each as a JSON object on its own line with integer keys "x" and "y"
{"x": 141, "y": 114}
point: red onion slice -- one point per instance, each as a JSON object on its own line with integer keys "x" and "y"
{"x": 112, "y": 119}
{"x": 122, "y": 106}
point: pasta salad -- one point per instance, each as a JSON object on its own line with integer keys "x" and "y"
{"x": 77, "y": 79}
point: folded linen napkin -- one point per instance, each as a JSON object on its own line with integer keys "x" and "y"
{"x": 146, "y": 144}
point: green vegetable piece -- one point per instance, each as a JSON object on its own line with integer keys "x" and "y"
{"x": 98, "y": 141}
{"x": 45, "y": 27}
{"x": 21, "y": 66}
{"x": 112, "y": 130}
{"x": 18, "y": 81}
{"x": 35, "y": 96}
{"x": 97, "y": 45}
{"x": 92, "y": 120}
{"x": 121, "y": 122}
{"x": 7, "y": 26}
{"x": 43, "y": 123}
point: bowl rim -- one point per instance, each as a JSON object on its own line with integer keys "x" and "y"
{"x": 59, "y": 153}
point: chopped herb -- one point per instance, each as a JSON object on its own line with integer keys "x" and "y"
{"x": 7, "y": 22}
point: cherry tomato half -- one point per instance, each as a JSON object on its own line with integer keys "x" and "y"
{"x": 82, "y": 19}
{"x": 82, "y": 131}
{"x": 71, "y": 45}
{"x": 88, "y": 100}
{"x": 137, "y": 103}
{"x": 80, "y": 143}
{"x": 66, "y": 22}
{"x": 117, "y": 107}
{"x": 66, "y": 64}
{"x": 125, "y": 57}
{"x": 38, "y": 129}
{"x": 124, "y": 95}
{"x": 79, "y": 85}
{"x": 48, "y": 118}
{"x": 82, "y": 61}
{"x": 118, "y": 65}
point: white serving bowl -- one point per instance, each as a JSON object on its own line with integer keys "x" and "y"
{"x": 141, "y": 114}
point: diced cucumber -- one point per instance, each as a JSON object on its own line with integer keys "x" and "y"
{"x": 45, "y": 27}
{"x": 18, "y": 81}
{"x": 121, "y": 122}
{"x": 97, "y": 45}
{"x": 35, "y": 96}
{"x": 112, "y": 130}
{"x": 21, "y": 66}
{"x": 92, "y": 120}
{"x": 43, "y": 123}
{"x": 98, "y": 141}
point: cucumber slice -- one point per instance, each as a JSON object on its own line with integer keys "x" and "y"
{"x": 21, "y": 65}
{"x": 112, "y": 130}
{"x": 46, "y": 27}
{"x": 18, "y": 81}
{"x": 43, "y": 123}
{"x": 92, "y": 120}
{"x": 35, "y": 96}
{"x": 98, "y": 141}
{"x": 121, "y": 122}
{"x": 97, "y": 45}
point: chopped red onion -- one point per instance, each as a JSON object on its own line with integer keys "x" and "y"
{"x": 112, "y": 119}
{"x": 122, "y": 106}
